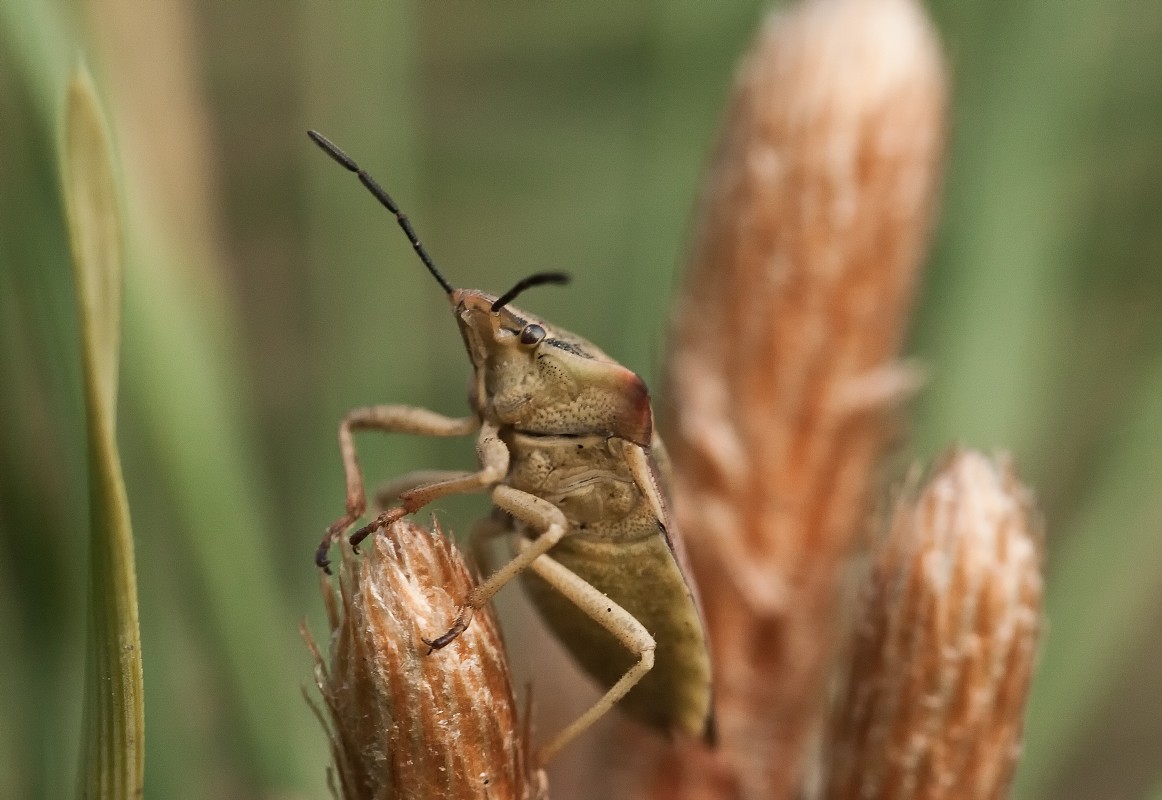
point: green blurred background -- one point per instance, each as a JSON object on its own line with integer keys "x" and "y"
{"x": 267, "y": 294}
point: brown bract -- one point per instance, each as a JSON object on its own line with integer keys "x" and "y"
{"x": 944, "y": 643}
{"x": 405, "y": 724}
{"x": 783, "y": 371}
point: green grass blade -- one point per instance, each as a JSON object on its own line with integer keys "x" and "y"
{"x": 112, "y": 742}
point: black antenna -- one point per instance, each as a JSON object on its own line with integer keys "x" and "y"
{"x": 536, "y": 279}
{"x": 383, "y": 197}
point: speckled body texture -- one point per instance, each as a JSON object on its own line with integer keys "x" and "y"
{"x": 563, "y": 386}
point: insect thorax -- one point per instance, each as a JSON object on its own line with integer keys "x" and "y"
{"x": 587, "y": 478}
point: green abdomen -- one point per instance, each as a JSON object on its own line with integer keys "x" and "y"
{"x": 642, "y": 577}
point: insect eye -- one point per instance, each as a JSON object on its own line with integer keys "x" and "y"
{"x": 532, "y": 334}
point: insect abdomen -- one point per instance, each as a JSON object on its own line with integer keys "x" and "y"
{"x": 644, "y": 579}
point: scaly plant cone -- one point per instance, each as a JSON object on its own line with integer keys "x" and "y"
{"x": 783, "y": 370}
{"x": 944, "y": 642}
{"x": 404, "y": 723}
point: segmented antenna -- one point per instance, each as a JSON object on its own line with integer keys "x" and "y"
{"x": 383, "y": 197}
{"x": 536, "y": 279}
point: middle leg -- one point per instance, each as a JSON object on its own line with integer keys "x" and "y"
{"x": 537, "y": 512}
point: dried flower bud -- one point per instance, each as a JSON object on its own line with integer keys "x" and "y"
{"x": 944, "y": 644}
{"x": 784, "y": 373}
{"x": 403, "y": 723}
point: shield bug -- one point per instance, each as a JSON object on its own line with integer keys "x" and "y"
{"x": 568, "y": 453}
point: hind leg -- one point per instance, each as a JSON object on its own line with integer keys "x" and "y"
{"x": 615, "y": 619}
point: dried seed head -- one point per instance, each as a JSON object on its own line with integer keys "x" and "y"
{"x": 944, "y": 644}
{"x": 405, "y": 724}
{"x": 813, "y": 222}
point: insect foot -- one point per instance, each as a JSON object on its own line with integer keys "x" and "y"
{"x": 464, "y": 616}
{"x": 321, "y": 560}
{"x": 384, "y": 520}
{"x": 334, "y": 531}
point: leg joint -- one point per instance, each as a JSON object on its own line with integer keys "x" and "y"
{"x": 646, "y": 656}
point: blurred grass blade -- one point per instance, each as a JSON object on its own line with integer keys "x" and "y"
{"x": 1102, "y": 592}
{"x": 95, "y": 240}
{"x": 112, "y": 744}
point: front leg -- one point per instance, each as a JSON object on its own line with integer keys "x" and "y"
{"x": 390, "y": 419}
{"x": 389, "y": 493}
{"x": 493, "y": 455}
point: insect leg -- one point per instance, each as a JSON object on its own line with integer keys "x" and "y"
{"x": 535, "y": 511}
{"x": 391, "y": 419}
{"x": 483, "y": 533}
{"x": 614, "y": 619}
{"x": 639, "y": 466}
{"x": 493, "y": 455}
{"x": 390, "y": 492}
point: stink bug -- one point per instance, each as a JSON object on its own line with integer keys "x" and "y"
{"x": 568, "y": 453}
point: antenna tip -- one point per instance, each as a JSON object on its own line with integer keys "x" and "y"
{"x": 331, "y": 149}
{"x": 536, "y": 279}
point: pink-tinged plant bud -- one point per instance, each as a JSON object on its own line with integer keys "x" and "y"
{"x": 403, "y": 723}
{"x": 783, "y": 372}
{"x": 944, "y": 643}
